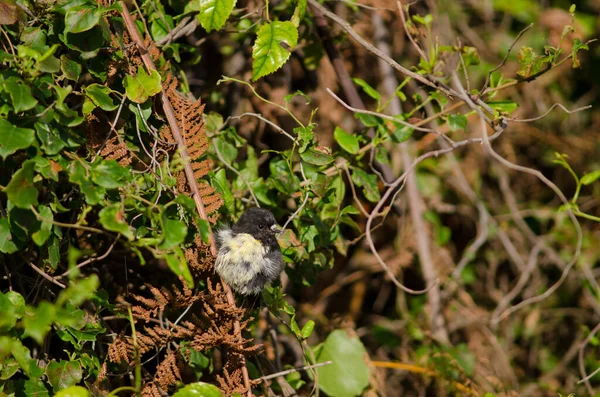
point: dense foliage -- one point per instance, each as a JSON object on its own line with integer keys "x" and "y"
{"x": 435, "y": 168}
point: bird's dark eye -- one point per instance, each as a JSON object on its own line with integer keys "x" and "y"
{"x": 261, "y": 226}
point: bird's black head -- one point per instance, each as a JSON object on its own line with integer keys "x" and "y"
{"x": 259, "y": 223}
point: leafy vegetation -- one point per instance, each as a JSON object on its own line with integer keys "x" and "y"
{"x": 422, "y": 179}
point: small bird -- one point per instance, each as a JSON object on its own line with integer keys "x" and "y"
{"x": 249, "y": 255}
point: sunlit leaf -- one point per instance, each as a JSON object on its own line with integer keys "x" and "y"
{"x": 214, "y": 13}
{"x": 268, "y": 53}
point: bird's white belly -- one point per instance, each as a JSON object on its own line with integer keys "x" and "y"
{"x": 243, "y": 249}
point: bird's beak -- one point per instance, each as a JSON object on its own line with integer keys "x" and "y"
{"x": 276, "y": 228}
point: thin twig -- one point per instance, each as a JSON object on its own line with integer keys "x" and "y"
{"x": 46, "y": 275}
{"x": 547, "y": 182}
{"x": 291, "y": 371}
{"x": 585, "y": 378}
{"x": 489, "y": 75}
{"x": 412, "y": 40}
{"x": 346, "y": 26}
{"x": 549, "y": 110}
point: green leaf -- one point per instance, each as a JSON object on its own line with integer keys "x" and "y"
{"x": 37, "y": 323}
{"x": 227, "y": 150}
{"x": 214, "y": 13}
{"x": 213, "y": 122}
{"x": 305, "y": 135}
{"x": 20, "y": 94}
{"x": 307, "y": 329}
{"x": 347, "y": 141}
{"x": 204, "y": 229}
{"x": 299, "y": 12}
{"x": 268, "y": 54}
{"x": 39, "y": 237}
{"x": 402, "y": 133}
{"x": 368, "y": 182}
{"x": 81, "y": 18}
{"x": 35, "y": 388}
{"x": 73, "y": 391}
{"x": 12, "y": 307}
{"x": 7, "y": 246}
{"x": 64, "y": 374}
{"x": 219, "y": 182}
{"x": 590, "y": 178}
{"x": 109, "y": 174}
{"x": 288, "y": 98}
{"x": 457, "y": 122}
{"x": 370, "y": 91}
{"x": 78, "y": 174}
{"x": 97, "y": 95}
{"x": 112, "y": 218}
{"x": 142, "y": 86}
{"x": 174, "y": 233}
{"x": 178, "y": 265}
{"x": 348, "y": 376}
{"x": 52, "y": 142}
{"x": 13, "y": 138}
{"x": 20, "y": 190}
{"x": 368, "y": 120}
{"x": 78, "y": 291}
{"x": 198, "y": 389}
{"x": 505, "y": 106}
{"x": 316, "y": 157}
{"x": 71, "y": 69}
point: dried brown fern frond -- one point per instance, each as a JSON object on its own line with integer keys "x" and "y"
{"x": 167, "y": 372}
{"x": 120, "y": 350}
{"x": 189, "y": 119}
{"x": 117, "y": 150}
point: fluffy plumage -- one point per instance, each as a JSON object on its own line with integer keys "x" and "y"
{"x": 249, "y": 256}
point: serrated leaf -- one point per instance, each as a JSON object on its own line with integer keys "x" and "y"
{"x": 112, "y": 218}
{"x": 214, "y": 13}
{"x": 81, "y": 18}
{"x": 347, "y": 141}
{"x": 13, "y": 138}
{"x": 20, "y": 190}
{"x": 142, "y": 86}
{"x": 590, "y": 178}
{"x": 20, "y": 94}
{"x": 267, "y": 53}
